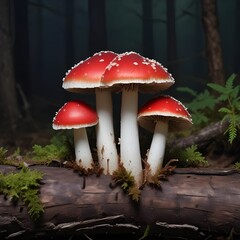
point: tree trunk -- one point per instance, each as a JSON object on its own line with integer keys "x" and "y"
{"x": 8, "y": 95}
{"x": 21, "y": 44}
{"x": 69, "y": 34}
{"x": 213, "y": 41}
{"x": 171, "y": 38}
{"x": 236, "y": 39}
{"x": 147, "y": 29}
{"x": 192, "y": 204}
{"x": 97, "y": 26}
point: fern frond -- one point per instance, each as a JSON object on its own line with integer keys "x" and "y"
{"x": 232, "y": 128}
{"x": 217, "y": 87}
{"x": 229, "y": 82}
{"x": 190, "y": 157}
{"x": 187, "y": 90}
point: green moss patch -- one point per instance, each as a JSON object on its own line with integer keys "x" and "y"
{"x": 24, "y": 186}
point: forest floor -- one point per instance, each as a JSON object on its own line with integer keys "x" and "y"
{"x": 218, "y": 152}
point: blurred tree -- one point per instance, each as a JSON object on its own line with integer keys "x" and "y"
{"x": 171, "y": 38}
{"x": 8, "y": 93}
{"x": 21, "y": 45}
{"x": 236, "y": 60}
{"x": 39, "y": 38}
{"x": 69, "y": 33}
{"x": 97, "y": 26}
{"x": 213, "y": 41}
{"x": 147, "y": 29}
{"x": 21, "y": 56}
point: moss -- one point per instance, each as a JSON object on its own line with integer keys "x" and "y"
{"x": 161, "y": 175}
{"x": 58, "y": 149}
{"x": 23, "y": 186}
{"x": 127, "y": 182}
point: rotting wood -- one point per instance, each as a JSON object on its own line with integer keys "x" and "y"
{"x": 190, "y": 204}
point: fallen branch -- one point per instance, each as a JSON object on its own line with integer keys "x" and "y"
{"x": 201, "y": 137}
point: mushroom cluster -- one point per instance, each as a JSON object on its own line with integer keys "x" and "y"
{"x": 129, "y": 73}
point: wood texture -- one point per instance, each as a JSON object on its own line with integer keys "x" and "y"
{"x": 213, "y": 41}
{"x": 192, "y": 204}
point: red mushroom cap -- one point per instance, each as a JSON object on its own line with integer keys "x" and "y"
{"x": 164, "y": 107}
{"x": 87, "y": 73}
{"x": 75, "y": 114}
{"x": 132, "y": 68}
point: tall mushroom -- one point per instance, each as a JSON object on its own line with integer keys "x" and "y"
{"x": 85, "y": 77}
{"x": 77, "y": 115}
{"x": 161, "y": 115}
{"x": 130, "y": 73}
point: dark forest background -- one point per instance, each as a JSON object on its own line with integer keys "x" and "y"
{"x": 45, "y": 38}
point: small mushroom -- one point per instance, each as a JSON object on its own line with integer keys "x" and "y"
{"x": 131, "y": 73}
{"x": 85, "y": 77}
{"x": 161, "y": 115}
{"x": 77, "y": 115}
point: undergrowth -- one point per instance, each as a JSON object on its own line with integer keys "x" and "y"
{"x": 3, "y": 153}
{"x": 221, "y": 103}
{"x": 23, "y": 186}
{"x": 59, "y": 148}
{"x": 190, "y": 157}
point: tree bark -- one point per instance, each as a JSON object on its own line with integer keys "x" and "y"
{"x": 8, "y": 95}
{"x": 192, "y": 204}
{"x": 213, "y": 41}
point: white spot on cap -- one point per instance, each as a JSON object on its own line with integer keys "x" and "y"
{"x": 135, "y": 63}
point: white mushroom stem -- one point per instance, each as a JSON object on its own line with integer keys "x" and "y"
{"x": 82, "y": 149}
{"x": 129, "y": 142}
{"x": 106, "y": 145}
{"x": 157, "y": 148}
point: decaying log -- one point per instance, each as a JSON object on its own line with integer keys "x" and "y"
{"x": 192, "y": 203}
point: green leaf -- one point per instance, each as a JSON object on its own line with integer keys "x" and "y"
{"x": 235, "y": 92}
{"x": 229, "y": 81}
{"x": 225, "y": 110}
{"x": 217, "y": 87}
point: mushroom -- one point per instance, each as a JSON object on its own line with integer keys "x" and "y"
{"x": 130, "y": 73}
{"x": 77, "y": 115}
{"x": 85, "y": 77}
{"x": 161, "y": 115}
